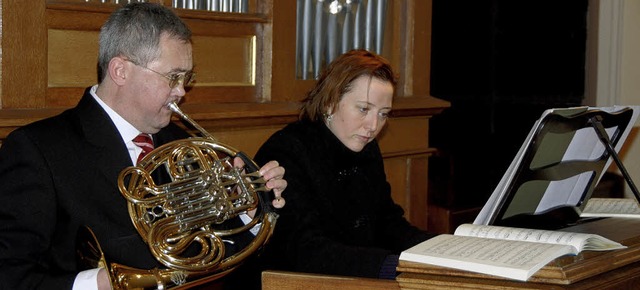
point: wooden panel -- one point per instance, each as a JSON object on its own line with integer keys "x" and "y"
{"x": 413, "y": 131}
{"x": 224, "y": 61}
{"x": 404, "y": 145}
{"x": 220, "y": 61}
{"x": 235, "y": 63}
{"x": 402, "y": 44}
{"x": 225, "y": 67}
{"x": 71, "y": 63}
{"x": 24, "y": 44}
{"x": 285, "y": 87}
{"x": 278, "y": 280}
{"x": 443, "y": 220}
{"x": 77, "y": 17}
{"x": 247, "y": 140}
{"x": 421, "y": 56}
{"x": 407, "y": 176}
{"x": 410, "y": 44}
{"x": 396, "y": 171}
{"x": 418, "y": 192}
{"x": 72, "y": 58}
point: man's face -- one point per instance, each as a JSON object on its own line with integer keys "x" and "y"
{"x": 362, "y": 112}
{"x": 150, "y": 92}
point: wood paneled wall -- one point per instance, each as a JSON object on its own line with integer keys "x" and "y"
{"x": 246, "y": 87}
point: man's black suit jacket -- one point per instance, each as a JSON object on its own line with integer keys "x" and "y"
{"x": 57, "y": 175}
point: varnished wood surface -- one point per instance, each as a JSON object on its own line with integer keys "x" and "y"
{"x": 623, "y": 278}
{"x": 627, "y": 277}
{"x": 279, "y": 280}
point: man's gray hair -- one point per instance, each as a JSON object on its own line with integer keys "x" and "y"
{"x": 133, "y": 31}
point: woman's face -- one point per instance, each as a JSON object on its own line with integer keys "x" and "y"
{"x": 362, "y": 112}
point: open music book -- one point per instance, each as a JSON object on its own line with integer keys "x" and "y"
{"x": 513, "y": 253}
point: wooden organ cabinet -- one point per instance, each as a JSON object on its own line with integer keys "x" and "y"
{"x": 246, "y": 86}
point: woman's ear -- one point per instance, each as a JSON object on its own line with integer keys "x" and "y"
{"x": 329, "y": 111}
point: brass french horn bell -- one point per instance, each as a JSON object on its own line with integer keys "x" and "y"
{"x": 179, "y": 197}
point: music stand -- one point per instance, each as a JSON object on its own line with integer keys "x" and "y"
{"x": 558, "y": 166}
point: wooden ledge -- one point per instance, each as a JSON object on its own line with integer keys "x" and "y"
{"x": 418, "y": 106}
{"x": 233, "y": 115}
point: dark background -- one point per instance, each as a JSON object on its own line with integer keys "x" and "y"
{"x": 500, "y": 64}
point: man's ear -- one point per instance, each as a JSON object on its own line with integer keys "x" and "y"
{"x": 118, "y": 70}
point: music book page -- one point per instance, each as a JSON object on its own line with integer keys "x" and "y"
{"x": 502, "y": 251}
{"x": 611, "y": 207}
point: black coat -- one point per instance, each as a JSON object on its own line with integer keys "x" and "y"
{"x": 339, "y": 216}
{"x": 57, "y": 175}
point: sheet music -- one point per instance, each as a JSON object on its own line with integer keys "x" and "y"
{"x": 627, "y": 207}
{"x": 576, "y": 240}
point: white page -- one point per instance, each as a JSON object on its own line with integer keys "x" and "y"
{"x": 627, "y": 207}
{"x": 576, "y": 240}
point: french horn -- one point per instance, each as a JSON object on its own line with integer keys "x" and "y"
{"x": 203, "y": 191}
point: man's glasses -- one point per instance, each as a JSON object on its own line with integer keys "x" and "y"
{"x": 186, "y": 79}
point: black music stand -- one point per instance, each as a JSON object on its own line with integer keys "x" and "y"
{"x": 558, "y": 166}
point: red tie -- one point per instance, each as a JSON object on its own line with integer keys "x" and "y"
{"x": 145, "y": 142}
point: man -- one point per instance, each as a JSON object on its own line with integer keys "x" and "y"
{"x": 60, "y": 174}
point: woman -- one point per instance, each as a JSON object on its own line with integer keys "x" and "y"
{"x": 340, "y": 218}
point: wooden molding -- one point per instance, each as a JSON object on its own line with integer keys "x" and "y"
{"x": 232, "y": 115}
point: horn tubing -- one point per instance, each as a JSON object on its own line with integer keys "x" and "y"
{"x": 174, "y": 107}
